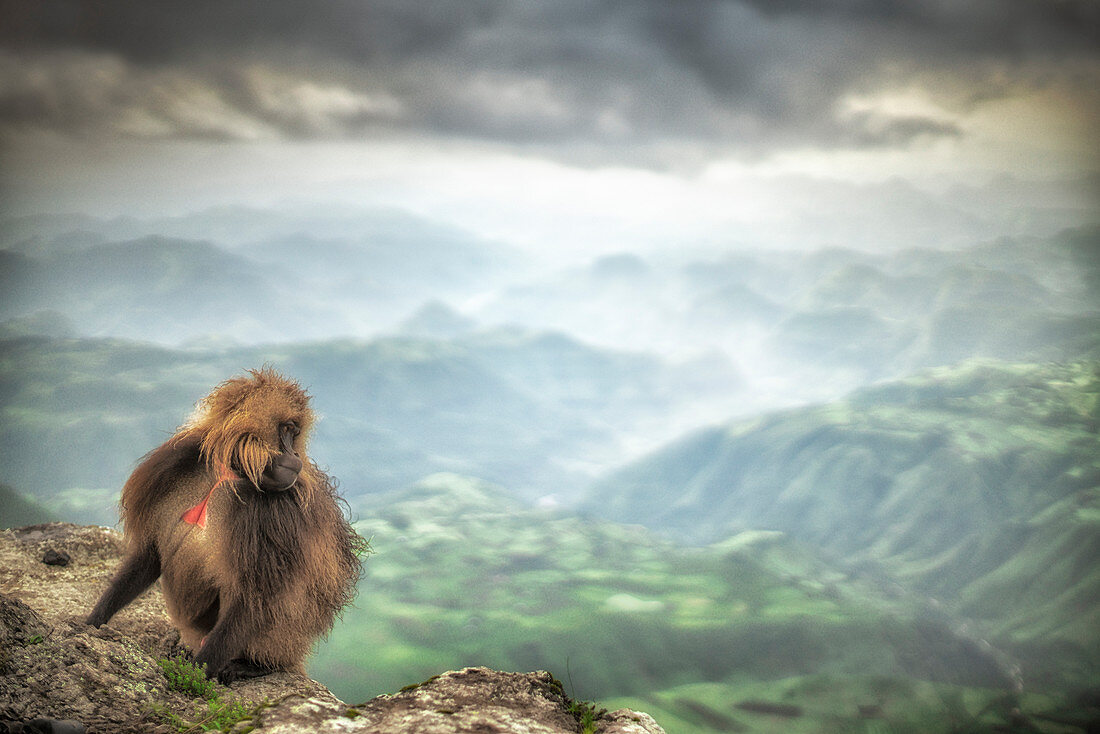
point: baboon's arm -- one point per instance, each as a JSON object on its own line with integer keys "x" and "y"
{"x": 223, "y": 650}
{"x": 137, "y": 573}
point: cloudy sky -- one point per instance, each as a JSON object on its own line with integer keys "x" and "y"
{"x": 556, "y": 122}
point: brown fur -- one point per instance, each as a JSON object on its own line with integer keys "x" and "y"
{"x": 271, "y": 570}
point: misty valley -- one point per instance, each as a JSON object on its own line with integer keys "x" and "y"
{"x": 741, "y": 490}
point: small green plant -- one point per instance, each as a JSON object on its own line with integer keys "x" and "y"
{"x": 586, "y": 715}
{"x": 35, "y": 640}
{"x": 222, "y": 716}
{"x": 219, "y": 716}
{"x": 585, "y": 712}
{"x": 187, "y": 677}
{"x": 190, "y": 679}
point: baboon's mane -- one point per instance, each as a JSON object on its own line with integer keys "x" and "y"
{"x": 233, "y": 424}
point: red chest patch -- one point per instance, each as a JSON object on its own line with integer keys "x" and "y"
{"x": 197, "y": 514}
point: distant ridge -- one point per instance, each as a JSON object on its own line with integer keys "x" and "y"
{"x": 978, "y": 484}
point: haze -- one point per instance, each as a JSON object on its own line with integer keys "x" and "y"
{"x": 552, "y": 135}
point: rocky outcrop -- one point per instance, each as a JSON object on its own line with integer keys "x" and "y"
{"x": 53, "y": 666}
{"x": 469, "y": 700}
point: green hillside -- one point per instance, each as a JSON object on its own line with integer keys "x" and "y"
{"x": 463, "y": 575}
{"x": 977, "y": 486}
{"x": 17, "y": 511}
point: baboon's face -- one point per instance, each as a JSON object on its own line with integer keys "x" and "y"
{"x": 258, "y": 429}
{"x": 274, "y": 442}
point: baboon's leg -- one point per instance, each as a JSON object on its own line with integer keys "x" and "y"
{"x": 137, "y": 573}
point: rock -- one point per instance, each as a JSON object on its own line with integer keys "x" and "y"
{"x": 67, "y": 593}
{"x": 96, "y": 677}
{"x": 43, "y": 726}
{"x": 468, "y": 700}
{"x": 56, "y": 669}
{"x": 19, "y": 625}
{"x": 56, "y": 558}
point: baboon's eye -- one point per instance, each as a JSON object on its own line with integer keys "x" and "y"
{"x": 288, "y": 432}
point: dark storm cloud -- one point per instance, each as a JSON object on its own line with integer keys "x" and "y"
{"x": 572, "y": 75}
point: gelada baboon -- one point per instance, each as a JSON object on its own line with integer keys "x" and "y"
{"x": 254, "y": 554}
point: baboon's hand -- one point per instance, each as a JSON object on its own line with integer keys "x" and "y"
{"x": 241, "y": 669}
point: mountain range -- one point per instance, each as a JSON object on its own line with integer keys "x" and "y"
{"x": 745, "y": 490}
{"x": 976, "y": 486}
{"x": 540, "y": 413}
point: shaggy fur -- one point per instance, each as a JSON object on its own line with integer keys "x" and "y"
{"x": 252, "y": 589}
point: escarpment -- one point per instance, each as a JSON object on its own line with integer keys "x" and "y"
{"x": 113, "y": 679}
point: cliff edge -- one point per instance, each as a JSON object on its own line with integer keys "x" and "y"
{"x": 116, "y": 678}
